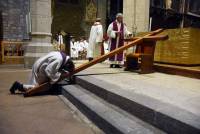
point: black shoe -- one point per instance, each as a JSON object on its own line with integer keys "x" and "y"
{"x": 16, "y": 85}
{"x": 111, "y": 65}
{"x": 90, "y": 59}
{"x": 13, "y": 87}
{"x": 118, "y": 66}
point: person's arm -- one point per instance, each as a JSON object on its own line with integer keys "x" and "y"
{"x": 126, "y": 32}
{"x": 110, "y": 32}
{"x": 99, "y": 34}
{"x": 64, "y": 74}
{"x": 52, "y": 71}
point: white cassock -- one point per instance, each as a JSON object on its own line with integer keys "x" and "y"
{"x": 47, "y": 68}
{"x": 106, "y": 47}
{"x": 81, "y": 45}
{"x": 95, "y": 39}
{"x": 76, "y": 49}
{"x": 60, "y": 39}
{"x": 73, "y": 49}
{"x": 86, "y": 44}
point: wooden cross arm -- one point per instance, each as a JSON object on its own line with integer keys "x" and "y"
{"x": 150, "y": 34}
{"x": 154, "y": 32}
{"x": 156, "y": 38}
{"x": 43, "y": 87}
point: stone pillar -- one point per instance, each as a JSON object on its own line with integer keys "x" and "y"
{"x": 101, "y": 12}
{"x": 136, "y": 15}
{"x": 41, "y": 19}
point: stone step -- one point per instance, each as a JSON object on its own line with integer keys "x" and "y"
{"x": 167, "y": 117}
{"x": 108, "y": 117}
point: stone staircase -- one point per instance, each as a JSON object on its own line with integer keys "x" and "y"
{"x": 117, "y": 112}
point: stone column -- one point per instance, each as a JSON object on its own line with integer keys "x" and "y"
{"x": 101, "y": 12}
{"x": 136, "y": 15}
{"x": 41, "y": 19}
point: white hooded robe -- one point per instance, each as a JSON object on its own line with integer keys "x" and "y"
{"x": 96, "y": 37}
{"x": 46, "y": 68}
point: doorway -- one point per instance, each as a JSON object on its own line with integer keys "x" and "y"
{"x": 113, "y": 7}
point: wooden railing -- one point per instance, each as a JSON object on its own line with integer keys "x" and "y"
{"x": 138, "y": 40}
{"x": 12, "y": 52}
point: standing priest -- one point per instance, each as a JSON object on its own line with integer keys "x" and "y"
{"x": 116, "y": 32}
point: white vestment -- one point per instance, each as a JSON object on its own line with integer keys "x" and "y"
{"x": 106, "y": 47}
{"x": 73, "y": 52}
{"x": 47, "y": 68}
{"x": 112, "y": 34}
{"x": 76, "y": 49}
{"x": 86, "y": 44}
{"x": 60, "y": 39}
{"x": 95, "y": 40}
{"x": 81, "y": 45}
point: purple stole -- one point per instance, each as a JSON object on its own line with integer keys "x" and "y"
{"x": 119, "y": 56}
{"x": 64, "y": 56}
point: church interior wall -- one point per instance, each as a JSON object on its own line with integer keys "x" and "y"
{"x": 13, "y": 19}
{"x": 68, "y": 16}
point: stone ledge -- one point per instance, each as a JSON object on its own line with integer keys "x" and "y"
{"x": 40, "y": 34}
{"x": 165, "y": 116}
{"x": 104, "y": 115}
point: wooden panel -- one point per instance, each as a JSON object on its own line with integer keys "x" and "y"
{"x": 12, "y": 52}
{"x": 182, "y": 48}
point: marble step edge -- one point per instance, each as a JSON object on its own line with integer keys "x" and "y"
{"x": 109, "y": 118}
{"x": 164, "y": 116}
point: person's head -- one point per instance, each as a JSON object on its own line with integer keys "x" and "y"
{"x": 119, "y": 17}
{"x": 69, "y": 66}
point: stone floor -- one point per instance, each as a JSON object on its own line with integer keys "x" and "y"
{"x": 179, "y": 91}
{"x": 45, "y": 114}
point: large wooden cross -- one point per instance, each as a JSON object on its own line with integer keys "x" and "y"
{"x": 136, "y": 40}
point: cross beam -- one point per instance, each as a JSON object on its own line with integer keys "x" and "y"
{"x": 134, "y": 41}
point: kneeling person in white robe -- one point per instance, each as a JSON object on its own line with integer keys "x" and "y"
{"x": 49, "y": 68}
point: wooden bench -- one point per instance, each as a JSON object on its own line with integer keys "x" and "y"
{"x": 143, "y": 57}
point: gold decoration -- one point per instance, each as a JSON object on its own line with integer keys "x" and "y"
{"x": 182, "y": 47}
{"x": 91, "y": 11}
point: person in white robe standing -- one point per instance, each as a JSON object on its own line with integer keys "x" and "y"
{"x": 82, "y": 49}
{"x": 76, "y": 48}
{"x": 60, "y": 40}
{"x": 73, "y": 52}
{"x": 49, "y": 68}
{"x": 86, "y": 44}
{"x": 95, "y": 40}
